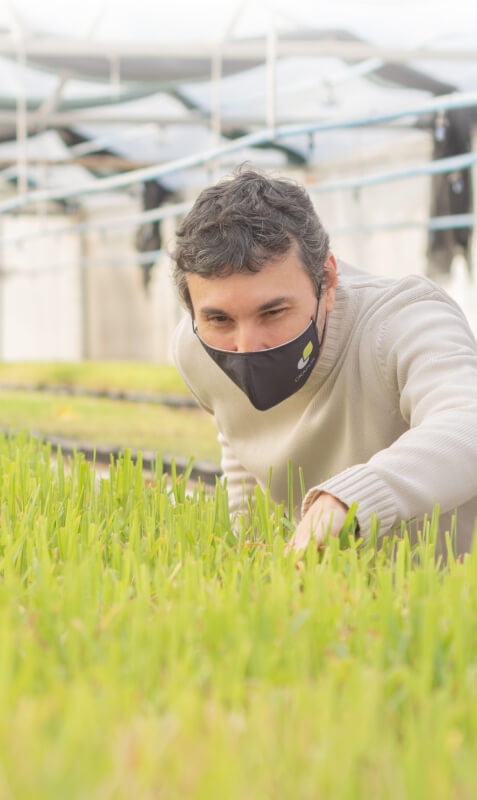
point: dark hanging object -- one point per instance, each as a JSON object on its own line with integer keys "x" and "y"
{"x": 451, "y": 193}
{"x": 148, "y": 236}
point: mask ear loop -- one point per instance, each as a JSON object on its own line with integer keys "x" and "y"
{"x": 317, "y": 305}
{"x": 320, "y": 340}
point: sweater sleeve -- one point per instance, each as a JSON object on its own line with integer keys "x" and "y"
{"x": 427, "y": 355}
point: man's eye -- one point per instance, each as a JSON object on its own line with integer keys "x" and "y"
{"x": 220, "y": 319}
{"x": 273, "y": 312}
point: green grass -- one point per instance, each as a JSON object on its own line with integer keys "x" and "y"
{"x": 127, "y": 375}
{"x": 152, "y": 648}
{"x": 170, "y": 431}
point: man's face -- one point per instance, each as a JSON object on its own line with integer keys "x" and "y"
{"x": 244, "y": 312}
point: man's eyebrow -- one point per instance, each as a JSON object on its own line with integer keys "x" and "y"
{"x": 275, "y": 301}
{"x": 209, "y": 310}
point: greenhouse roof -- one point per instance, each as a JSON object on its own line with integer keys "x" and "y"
{"x": 146, "y": 100}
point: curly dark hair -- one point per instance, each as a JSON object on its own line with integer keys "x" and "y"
{"x": 243, "y": 222}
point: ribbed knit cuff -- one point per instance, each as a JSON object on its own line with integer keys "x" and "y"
{"x": 359, "y": 484}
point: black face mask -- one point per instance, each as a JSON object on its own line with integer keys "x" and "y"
{"x": 270, "y": 376}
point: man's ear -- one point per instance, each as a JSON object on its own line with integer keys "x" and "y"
{"x": 331, "y": 280}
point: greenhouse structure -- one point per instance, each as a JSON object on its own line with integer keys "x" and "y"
{"x": 105, "y": 144}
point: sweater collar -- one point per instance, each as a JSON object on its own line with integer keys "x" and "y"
{"x": 337, "y": 330}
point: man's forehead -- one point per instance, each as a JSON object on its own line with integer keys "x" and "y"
{"x": 279, "y": 279}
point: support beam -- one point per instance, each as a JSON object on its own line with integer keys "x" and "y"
{"x": 56, "y": 48}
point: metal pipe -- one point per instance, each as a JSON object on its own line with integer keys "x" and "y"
{"x": 440, "y": 166}
{"x": 454, "y": 100}
{"x": 237, "y": 49}
{"x": 433, "y": 224}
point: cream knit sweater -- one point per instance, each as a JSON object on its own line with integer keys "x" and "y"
{"x": 388, "y": 418}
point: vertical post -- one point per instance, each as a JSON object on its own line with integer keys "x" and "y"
{"x": 2, "y": 278}
{"x": 216, "y": 116}
{"x": 271, "y": 76}
{"x": 83, "y": 292}
{"x": 473, "y": 243}
{"x": 21, "y": 117}
{"x": 115, "y": 77}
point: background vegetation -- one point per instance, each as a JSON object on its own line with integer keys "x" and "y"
{"x": 129, "y": 375}
{"x": 170, "y": 431}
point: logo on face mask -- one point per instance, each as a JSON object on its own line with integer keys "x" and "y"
{"x": 306, "y": 355}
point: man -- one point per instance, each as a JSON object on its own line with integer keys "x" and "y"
{"x": 368, "y": 384}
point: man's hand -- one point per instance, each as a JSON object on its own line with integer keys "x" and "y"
{"x": 325, "y": 510}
